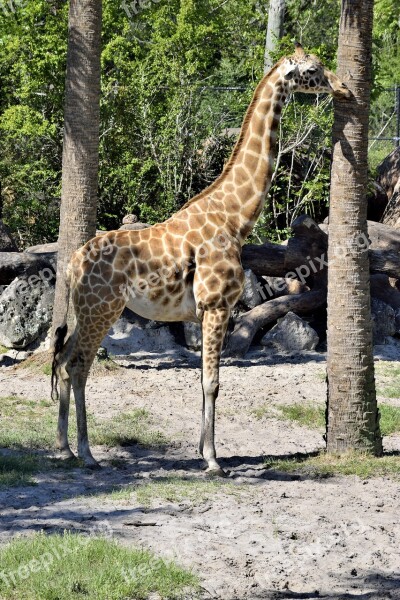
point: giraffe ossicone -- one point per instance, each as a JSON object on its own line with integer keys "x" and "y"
{"x": 187, "y": 268}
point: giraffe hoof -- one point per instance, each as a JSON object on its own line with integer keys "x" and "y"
{"x": 90, "y": 463}
{"x": 93, "y": 465}
{"x": 66, "y": 454}
{"x": 216, "y": 472}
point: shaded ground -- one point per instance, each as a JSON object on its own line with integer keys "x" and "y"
{"x": 261, "y": 533}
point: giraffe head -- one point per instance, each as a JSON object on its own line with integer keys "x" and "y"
{"x": 306, "y": 73}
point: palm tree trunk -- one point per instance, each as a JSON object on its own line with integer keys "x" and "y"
{"x": 353, "y": 423}
{"x": 276, "y": 15}
{"x": 81, "y": 141}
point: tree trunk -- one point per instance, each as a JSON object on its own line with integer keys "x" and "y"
{"x": 353, "y": 422}
{"x": 276, "y": 14}
{"x": 81, "y": 142}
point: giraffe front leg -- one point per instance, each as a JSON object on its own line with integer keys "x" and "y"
{"x": 214, "y": 326}
{"x": 78, "y": 384}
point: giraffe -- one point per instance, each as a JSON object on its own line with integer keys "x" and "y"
{"x": 187, "y": 268}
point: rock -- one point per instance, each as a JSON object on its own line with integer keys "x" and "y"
{"x": 397, "y": 320}
{"x": 290, "y": 334}
{"x": 25, "y": 264}
{"x": 192, "y": 333}
{"x": 251, "y": 296}
{"x": 383, "y": 321}
{"x": 52, "y": 248}
{"x": 135, "y": 226}
{"x": 130, "y": 219}
{"x": 7, "y": 243}
{"x": 383, "y": 289}
{"x": 26, "y": 308}
{"x": 102, "y": 354}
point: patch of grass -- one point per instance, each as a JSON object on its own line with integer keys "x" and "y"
{"x": 46, "y": 369}
{"x": 40, "y": 362}
{"x": 17, "y": 470}
{"x": 387, "y": 369}
{"x": 176, "y": 490}
{"x": 3, "y": 349}
{"x": 263, "y": 411}
{"x": 32, "y": 424}
{"x": 71, "y": 566}
{"x": 309, "y": 415}
{"x": 388, "y": 374}
{"x": 390, "y": 419}
{"x": 313, "y": 416}
{"x": 390, "y": 391}
{"x": 326, "y": 465}
{"x": 127, "y": 429}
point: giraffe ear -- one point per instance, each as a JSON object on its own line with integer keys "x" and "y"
{"x": 289, "y": 69}
{"x": 299, "y": 51}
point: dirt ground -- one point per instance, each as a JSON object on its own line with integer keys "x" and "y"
{"x": 279, "y": 536}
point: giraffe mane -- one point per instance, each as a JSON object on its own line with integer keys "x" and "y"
{"x": 238, "y": 145}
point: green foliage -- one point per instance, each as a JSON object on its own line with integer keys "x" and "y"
{"x": 162, "y": 120}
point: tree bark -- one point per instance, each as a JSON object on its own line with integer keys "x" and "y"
{"x": 276, "y": 14}
{"x": 81, "y": 142}
{"x": 353, "y": 422}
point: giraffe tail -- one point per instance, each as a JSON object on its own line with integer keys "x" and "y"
{"x": 59, "y": 343}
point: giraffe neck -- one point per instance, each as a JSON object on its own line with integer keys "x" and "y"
{"x": 248, "y": 174}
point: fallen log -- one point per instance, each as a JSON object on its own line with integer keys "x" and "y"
{"x": 248, "y": 324}
{"x": 267, "y": 259}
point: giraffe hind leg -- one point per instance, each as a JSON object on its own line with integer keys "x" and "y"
{"x": 87, "y": 342}
{"x": 214, "y": 326}
{"x": 62, "y": 376}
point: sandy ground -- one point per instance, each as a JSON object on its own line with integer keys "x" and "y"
{"x": 280, "y": 536}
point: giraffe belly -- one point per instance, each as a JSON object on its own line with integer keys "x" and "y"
{"x": 173, "y": 310}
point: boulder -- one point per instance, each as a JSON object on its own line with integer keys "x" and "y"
{"x": 7, "y": 243}
{"x": 26, "y": 308}
{"x": 251, "y": 296}
{"x": 291, "y": 334}
{"x": 52, "y": 248}
{"x": 134, "y": 226}
{"x": 383, "y": 321}
{"x": 192, "y": 333}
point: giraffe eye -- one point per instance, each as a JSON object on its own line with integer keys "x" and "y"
{"x": 312, "y": 70}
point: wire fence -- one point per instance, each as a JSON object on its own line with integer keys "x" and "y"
{"x": 384, "y": 123}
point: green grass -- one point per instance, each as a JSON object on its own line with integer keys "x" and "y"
{"x": 390, "y": 391}
{"x": 3, "y": 349}
{"x": 32, "y": 424}
{"x": 176, "y": 490}
{"x": 387, "y": 369}
{"x": 390, "y": 419}
{"x": 388, "y": 374}
{"x": 313, "y": 416}
{"x": 325, "y": 465}
{"x": 18, "y": 470}
{"x": 46, "y": 369}
{"x": 308, "y": 415}
{"x": 71, "y": 566}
